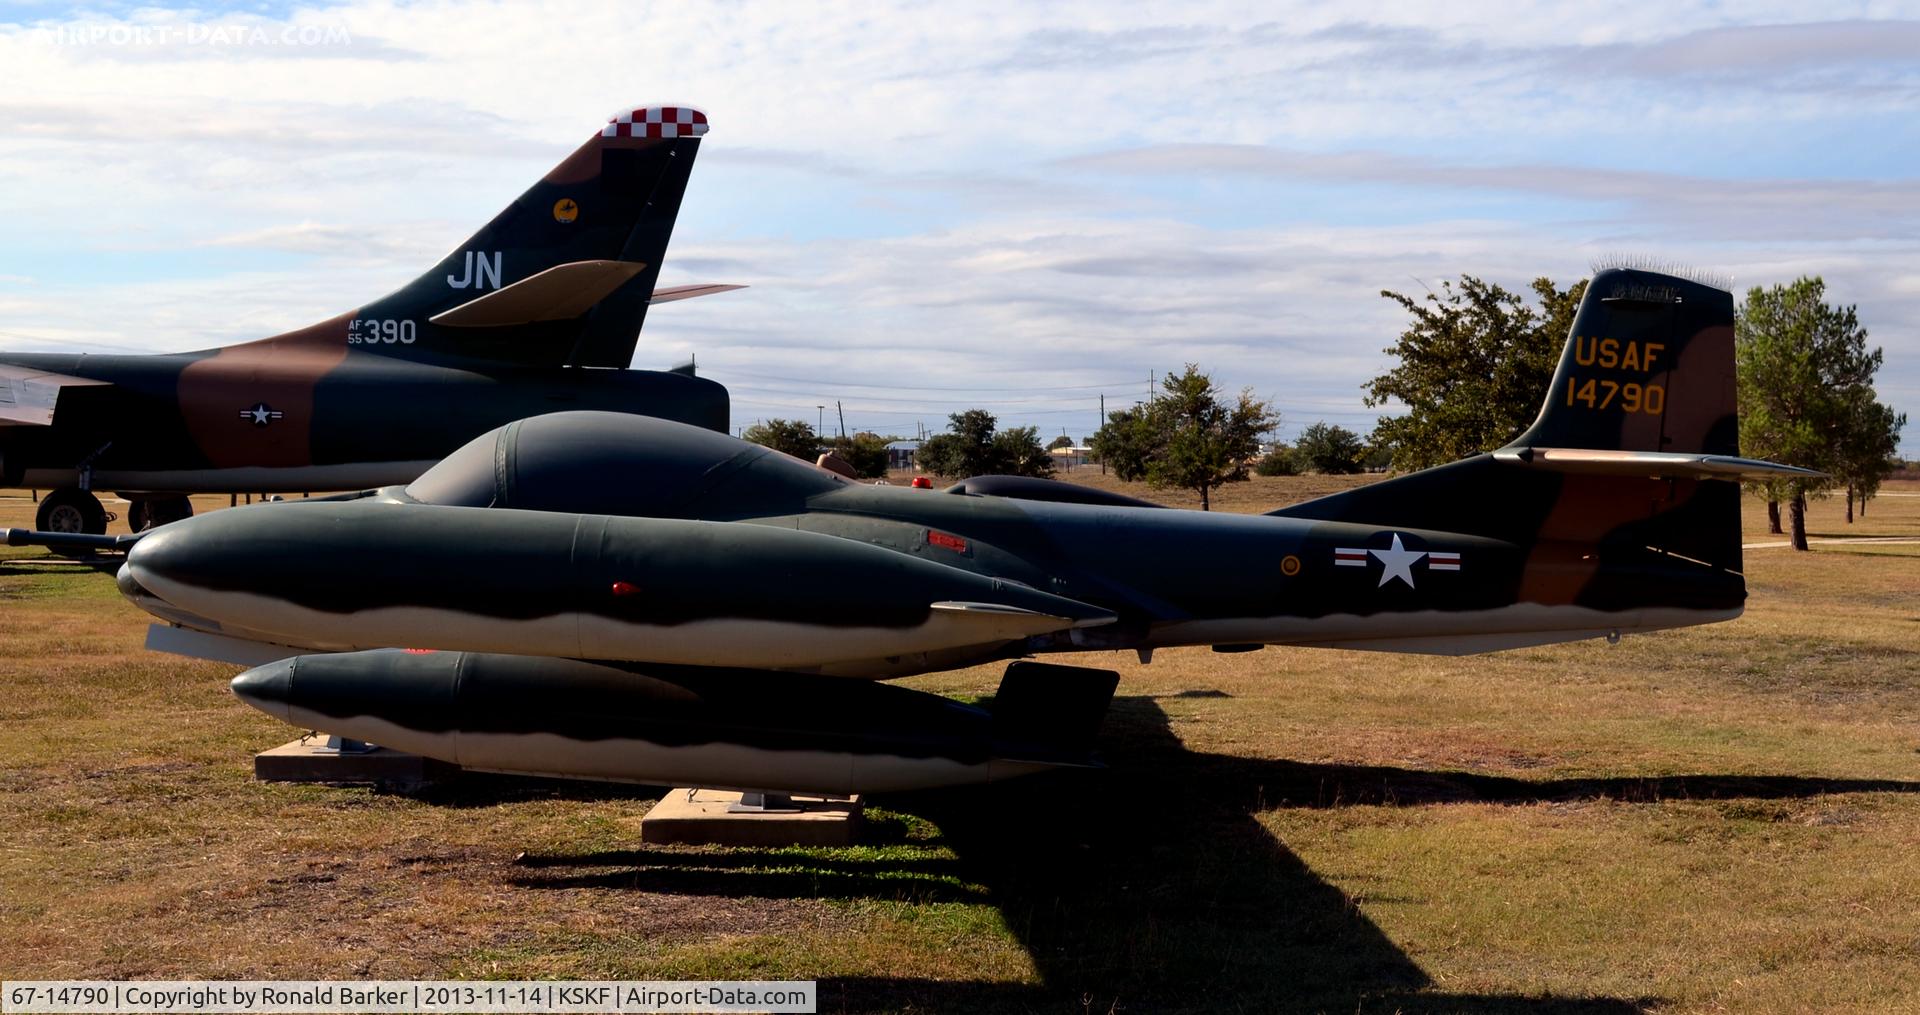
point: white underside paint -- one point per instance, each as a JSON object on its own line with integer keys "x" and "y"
{"x": 1437, "y": 632}
{"x": 298, "y": 479}
{"x": 729, "y": 641}
{"x": 705, "y": 766}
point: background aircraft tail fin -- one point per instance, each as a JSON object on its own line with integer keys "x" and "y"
{"x": 564, "y": 275}
{"x": 1629, "y": 473}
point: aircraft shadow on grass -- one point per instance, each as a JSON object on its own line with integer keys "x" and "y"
{"x": 1148, "y": 887}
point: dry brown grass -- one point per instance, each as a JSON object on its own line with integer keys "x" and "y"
{"x": 1716, "y": 819}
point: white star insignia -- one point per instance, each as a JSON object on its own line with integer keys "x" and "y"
{"x": 1397, "y": 562}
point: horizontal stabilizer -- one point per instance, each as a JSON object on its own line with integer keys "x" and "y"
{"x": 560, "y": 293}
{"x": 1661, "y": 464}
{"x": 687, "y": 292}
{"x": 28, "y": 396}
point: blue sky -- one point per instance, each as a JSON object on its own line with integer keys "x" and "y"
{"x": 939, "y": 206}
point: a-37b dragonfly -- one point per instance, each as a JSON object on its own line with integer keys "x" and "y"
{"x": 616, "y": 597}
{"x": 512, "y": 323}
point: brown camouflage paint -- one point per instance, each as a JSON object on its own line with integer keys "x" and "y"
{"x": 281, "y": 372}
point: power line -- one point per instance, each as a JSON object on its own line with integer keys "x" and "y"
{"x": 926, "y": 401}
{"x": 834, "y": 382}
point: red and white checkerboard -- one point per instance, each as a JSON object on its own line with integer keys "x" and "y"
{"x": 657, "y": 121}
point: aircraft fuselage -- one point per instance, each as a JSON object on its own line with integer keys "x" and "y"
{"x": 303, "y": 419}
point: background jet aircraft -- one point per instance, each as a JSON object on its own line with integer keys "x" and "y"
{"x": 508, "y": 325}
{"x": 631, "y": 598}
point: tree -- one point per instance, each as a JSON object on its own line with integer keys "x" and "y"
{"x": 1865, "y": 456}
{"x": 1062, "y": 441}
{"x": 1278, "y": 461}
{"x": 972, "y": 448}
{"x": 866, "y": 452}
{"x": 1126, "y": 442}
{"x": 1017, "y": 452}
{"x": 1188, "y": 437}
{"x": 1806, "y": 393}
{"x": 789, "y": 436}
{"x": 1330, "y": 449}
{"x": 1472, "y": 367}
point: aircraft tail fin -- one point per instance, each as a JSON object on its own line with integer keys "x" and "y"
{"x": 1628, "y": 475}
{"x": 564, "y": 275}
{"x": 1648, "y": 367}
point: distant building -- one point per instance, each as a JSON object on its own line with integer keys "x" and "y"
{"x": 1071, "y": 457}
{"x": 900, "y": 454}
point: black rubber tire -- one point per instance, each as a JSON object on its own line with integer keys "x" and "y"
{"x": 71, "y": 509}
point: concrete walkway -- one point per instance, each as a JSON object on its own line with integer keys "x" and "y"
{"x": 1848, "y": 539}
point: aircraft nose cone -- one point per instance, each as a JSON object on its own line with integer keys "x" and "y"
{"x": 267, "y": 688}
{"x": 163, "y": 553}
{"x": 187, "y": 564}
{"x": 129, "y": 585}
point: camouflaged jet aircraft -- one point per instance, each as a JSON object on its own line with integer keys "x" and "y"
{"x": 617, "y": 597}
{"x": 538, "y": 311}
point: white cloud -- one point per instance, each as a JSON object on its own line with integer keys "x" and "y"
{"x": 1038, "y": 198}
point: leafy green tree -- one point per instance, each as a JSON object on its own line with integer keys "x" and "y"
{"x": 1278, "y": 461}
{"x": 1188, "y": 437}
{"x": 1806, "y": 384}
{"x": 1017, "y": 452}
{"x": 1126, "y": 442}
{"x": 866, "y": 452}
{"x": 1865, "y": 455}
{"x": 1330, "y": 449}
{"x": 973, "y": 448}
{"x": 1472, "y": 368}
{"x": 789, "y": 436}
{"x": 1062, "y": 441}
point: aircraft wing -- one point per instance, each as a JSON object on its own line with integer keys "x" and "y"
{"x": 28, "y": 396}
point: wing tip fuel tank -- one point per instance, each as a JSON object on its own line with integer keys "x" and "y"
{"x": 367, "y": 574}
{"x": 661, "y": 725}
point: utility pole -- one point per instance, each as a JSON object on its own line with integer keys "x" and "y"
{"x": 1103, "y": 425}
{"x": 842, "y": 410}
{"x": 820, "y": 420}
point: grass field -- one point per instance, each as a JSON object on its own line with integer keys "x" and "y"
{"x": 1718, "y": 819}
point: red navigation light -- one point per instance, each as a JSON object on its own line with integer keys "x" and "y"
{"x": 625, "y": 589}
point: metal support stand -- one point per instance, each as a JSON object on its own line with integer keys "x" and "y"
{"x": 714, "y": 817}
{"x": 763, "y": 802}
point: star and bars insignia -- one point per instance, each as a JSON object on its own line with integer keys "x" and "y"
{"x": 261, "y": 414}
{"x": 1396, "y": 561}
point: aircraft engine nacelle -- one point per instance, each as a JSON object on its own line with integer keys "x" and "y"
{"x": 722, "y": 729}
